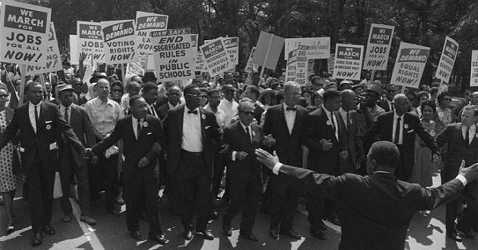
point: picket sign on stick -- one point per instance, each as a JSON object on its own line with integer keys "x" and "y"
{"x": 23, "y": 71}
{"x": 265, "y": 58}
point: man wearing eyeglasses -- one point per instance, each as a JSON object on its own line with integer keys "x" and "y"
{"x": 190, "y": 131}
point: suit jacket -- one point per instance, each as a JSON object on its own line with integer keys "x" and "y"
{"x": 236, "y": 136}
{"x": 375, "y": 210}
{"x": 288, "y": 145}
{"x": 319, "y": 127}
{"x": 173, "y": 127}
{"x": 135, "y": 149}
{"x": 258, "y": 113}
{"x": 81, "y": 124}
{"x": 384, "y": 104}
{"x": 163, "y": 111}
{"x": 382, "y": 129}
{"x": 50, "y": 123}
{"x": 458, "y": 149}
{"x": 352, "y": 143}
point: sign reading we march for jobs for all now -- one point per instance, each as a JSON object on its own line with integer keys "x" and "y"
{"x": 119, "y": 38}
{"x": 53, "y": 57}
{"x": 24, "y": 30}
{"x": 378, "y": 47}
{"x": 90, "y": 41}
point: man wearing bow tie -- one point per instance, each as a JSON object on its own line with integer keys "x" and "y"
{"x": 462, "y": 144}
{"x": 190, "y": 130}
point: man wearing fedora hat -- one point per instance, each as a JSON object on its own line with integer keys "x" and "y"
{"x": 71, "y": 162}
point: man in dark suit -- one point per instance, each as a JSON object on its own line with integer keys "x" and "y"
{"x": 190, "y": 131}
{"x": 174, "y": 95}
{"x": 400, "y": 127}
{"x": 387, "y": 102}
{"x": 284, "y": 124}
{"x": 462, "y": 144}
{"x": 244, "y": 170}
{"x": 375, "y": 209}
{"x": 39, "y": 123}
{"x": 324, "y": 137}
{"x": 139, "y": 132}
{"x": 71, "y": 163}
{"x": 150, "y": 94}
{"x": 252, "y": 92}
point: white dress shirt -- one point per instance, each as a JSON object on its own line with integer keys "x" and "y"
{"x": 289, "y": 117}
{"x": 344, "y": 115}
{"x": 31, "y": 114}
{"x": 135, "y": 126}
{"x": 62, "y": 111}
{"x": 394, "y": 128}
{"x": 151, "y": 109}
{"x": 229, "y": 109}
{"x": 471, "y": 135}
{"x": 333, "y": 121}
{"x": 219, "y": 115}
{"x": 192, "y": 134}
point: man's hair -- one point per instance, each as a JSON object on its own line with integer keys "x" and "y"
{"x": 384, "y": 153}
{"x": 254, "y": 90}
{"x": 213, "y": 91}
{"x": 290, "y": 84}
{"x": 330, "y": 94}
{"x": 133, "y": 99}
{"x": 472, "y": 107}
{"x": 442, "y": 95}
{"x": 189, "y": 88}
{"x": 243, "y": 103}
{"x": 433, "y": 90}
{"x": 31, "y": 84}
{"x": 149, "y": 86}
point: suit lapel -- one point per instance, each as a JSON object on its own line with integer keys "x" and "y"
{"x": 282, "y": 117}
{"x": 298, "y": 117}
{"x": 26, "y": 111}
{"x": 180, "y": 125}
{"x": 203, "y": 123}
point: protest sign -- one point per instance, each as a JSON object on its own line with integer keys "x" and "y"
{"x": 145, "y": 23}
{"x": 74, "y": 49}
{"x": 232, "y": 47}
{"x": 378, "y": 47}
{"x": 90, "y": 41}
{"x": 348, "y": 61}
{"x": 447, "y": 60}
{"x": 319, "y": 47}
{"x": 330, "y": 63}
{"x": 174, "y": 53}
{"x": 53, "y": 57}
{"x": 119, "y": 40}
{"x": 216, "y": 56}
{"x": 134, "y": 68}
{"x": 297, "y": 69}
{"x": 291, "y": 68}
{"x": 409, "y": 65}
{"x": 474, "y": 69}
{"x": 24, "y": 30}
{"x": 268, "y": 50}
{"x": 249, "y": 66}
{"x": 200, "y": 62}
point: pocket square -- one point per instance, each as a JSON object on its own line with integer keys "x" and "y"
{"x": 207, "y": 127}
{"x": 410, "y": 131}
{"x": 149, "y": 133}
{"x": 48, "y": 122}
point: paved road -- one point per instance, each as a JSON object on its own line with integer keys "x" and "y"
{"x": 427, "y": 231}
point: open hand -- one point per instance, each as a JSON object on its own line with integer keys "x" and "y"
{"x": 267, "y": 159}
{"x": 143, "y": 162}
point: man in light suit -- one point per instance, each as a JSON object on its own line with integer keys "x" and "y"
{"x": 400, "y": 127}
{"x": 244, "y": 170}
{"x": 189, "y": 131}
{"x": 381, "y": 222}
{"x": 139, "y": 132}
{"x": 71, "y": 163}
{"x": 462, "y": 144}
{"x": 39, "y": 123}
{"x": 284, "y": 124}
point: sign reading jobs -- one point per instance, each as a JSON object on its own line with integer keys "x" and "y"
{"x": 174, "y": 53}
{"x": 90, "y": 41}
{"x": 119, "y": 40}
{"x": 378, "y": 47}
{"x": 409, "y": 65}
{"x": 24, "y": 30}
{"x": 53, "y": 58}
{"x": 447, "y": 60}
{"x": 216, "y": 56}
{"x": 348, "y": 61}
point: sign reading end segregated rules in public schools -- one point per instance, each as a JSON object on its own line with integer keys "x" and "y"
{"x": 24, "y": 30}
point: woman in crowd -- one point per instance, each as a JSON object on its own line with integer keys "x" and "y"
{"x": 422, "y": 97}
{"x": 316, "y": 101}
{"x": 8, "y": 180}
{"x": 422, "y": 170}
{"x": 117, "y": 91}
{"x": 203, "y": 100}
{"x": 443, "y": 117}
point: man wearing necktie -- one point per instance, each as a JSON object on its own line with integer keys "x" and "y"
{"x": 71, "y": 163}
{"x": 39, "y": 124}
{"x": 323, "y": 138}
{"x": 190, "y": 131}
{"x": 462, "y": 144}
{"x": 400, "y": 127}
{"x": 150, "y": 94}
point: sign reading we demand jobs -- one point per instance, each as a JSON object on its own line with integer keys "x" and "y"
{"x": 174, "y": 53}
{"x": 24, "y": 30}
{"x": 119, "y": 38}
{"x": 90, "y": 41}
{"x": 145, "y": 23}
{"x": 348, "y": 61}
{"x": 378, "y": 47}
{"x": 409, "y": 65}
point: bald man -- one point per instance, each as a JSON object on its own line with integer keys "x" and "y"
{"x": 400, "y": 127}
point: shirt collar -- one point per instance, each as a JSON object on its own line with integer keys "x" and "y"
{"x": 98, "y": 101}
{"x": 186, "y": 109}
{"x": 244, "y": 126}
{"x": 327, "y": 111}
{"x": 285, "y": 106}
{"x": 472, "y": 127}
{"x": 395, "y": 115}
{"x": 31, "y": 105}
{"x": 135, "y": 121}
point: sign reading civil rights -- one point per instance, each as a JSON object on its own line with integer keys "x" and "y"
{"x": 447, "y": 60}
{"x": 90, "y": 41}
{"x": 378, "y": 47}
{"x": 348, "y": 61}
{"x": 24, "y": 30}
{"x": 53, "y": 57}
{"x": 216, "y": 56}
{"x": 145, "y": 23}
{"x": 474, "y": 69}
{"x": 319, "y": 47}
{"x": 119, "y": 38}
{"x": 409, "y": 65}
{"x": 174, "y": 52}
